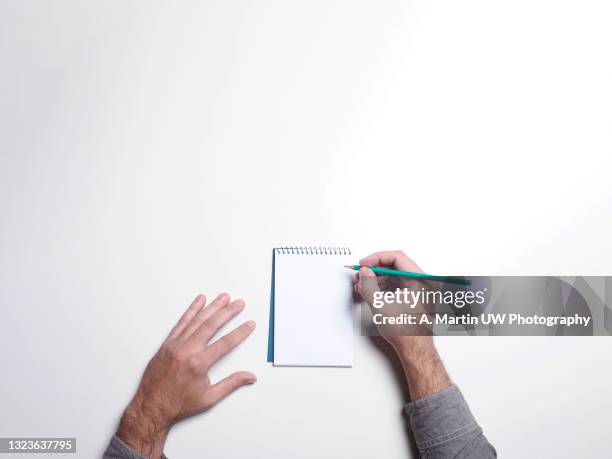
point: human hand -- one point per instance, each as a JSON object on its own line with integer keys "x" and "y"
{"x": 175, "y": 384}
{"x": 366, "y": 282}
{"x": 422, "y": 365}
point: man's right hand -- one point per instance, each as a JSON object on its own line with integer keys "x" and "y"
{"x": 422, "y": 365}
{"x": 175, "y": 384}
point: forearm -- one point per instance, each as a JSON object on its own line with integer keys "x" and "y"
{"x": 141, "y": 434}
{"x": 423, "y": 369}
{"x": 441, "y": 421}
{"x": 141, "y": 429}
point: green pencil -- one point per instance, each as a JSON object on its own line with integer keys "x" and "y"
{"x": 395, "y": 272}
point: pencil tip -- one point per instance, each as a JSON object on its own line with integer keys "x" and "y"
{"x": 349, "y": 266}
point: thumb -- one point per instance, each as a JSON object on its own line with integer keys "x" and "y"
{"x": 228, "y": 385}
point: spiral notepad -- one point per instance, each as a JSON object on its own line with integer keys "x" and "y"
{"x": 311, "y": 307}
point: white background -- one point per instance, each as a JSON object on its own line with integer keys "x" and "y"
{"x": 153, "y": 150}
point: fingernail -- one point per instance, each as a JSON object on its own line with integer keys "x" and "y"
{"x": 239, "y": 302}
{"x": 224, "y": 296}
{"x": 252, "y": 380}
{"x": 251, "y": 324}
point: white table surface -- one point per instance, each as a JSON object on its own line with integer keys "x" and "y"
{"x": 153, "y": 150}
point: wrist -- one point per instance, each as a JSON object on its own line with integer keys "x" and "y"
{"x": 423, "y": 368}
{"x": 414, "y": 350}
{"x": 143, "y": 429}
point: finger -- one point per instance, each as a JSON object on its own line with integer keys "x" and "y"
{"x": 394, "y": 259}
{"x": 364, "y": 273}
{"x": 368, "y": 285}
{"x": 224, "y": 345}
{"x": 196, "y": 305}
{"x": 356, "y": 282}
{"x": 211, "y": 326}
{"x": 216, "y": 305}
{"x": 228, "y": 385}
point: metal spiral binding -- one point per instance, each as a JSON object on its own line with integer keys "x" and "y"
{"x": 313, "y": 250}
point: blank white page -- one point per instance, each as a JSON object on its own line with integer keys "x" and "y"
{"x": 313, "y": 319}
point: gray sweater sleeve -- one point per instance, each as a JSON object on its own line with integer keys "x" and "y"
{"x": 444, "y": 427}
{"x": 119, "y": 450}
